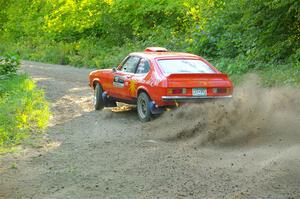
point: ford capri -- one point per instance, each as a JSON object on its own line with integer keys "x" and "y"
{"x": 156, "y": 79}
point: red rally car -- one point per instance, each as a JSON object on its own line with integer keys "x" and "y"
{"x": 157, "y": 78}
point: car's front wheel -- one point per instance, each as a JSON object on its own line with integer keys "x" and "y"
{"x": 143, "y": 107}
{"x": 98, "y": 100}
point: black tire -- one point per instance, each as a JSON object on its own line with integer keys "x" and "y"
{"x": 98, "y": 100}
{"x": 143, "y": 108}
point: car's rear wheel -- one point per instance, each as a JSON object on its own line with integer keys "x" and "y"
{"x": 98, "y": 100}
{"x": 143, "y": 107}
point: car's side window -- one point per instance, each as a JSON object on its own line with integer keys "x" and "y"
{"x": 130, "y": 65}
{"x": 143, "y": 67}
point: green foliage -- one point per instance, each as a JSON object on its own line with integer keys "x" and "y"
{"x": 272, "y": 74}
{"x": 240, "y": 35}
{"x": 23, "y": 109}
{"x": 9, "y": 65}
{"x": 288, "y": 75}
{"x": 233, "y": 66}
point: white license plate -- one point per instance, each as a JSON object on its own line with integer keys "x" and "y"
{"x": 199, "y": 92}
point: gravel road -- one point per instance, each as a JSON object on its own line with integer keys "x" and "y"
{"x": 245, "y": 150}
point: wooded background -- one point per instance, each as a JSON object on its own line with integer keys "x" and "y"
{"x": 236, "y": 35}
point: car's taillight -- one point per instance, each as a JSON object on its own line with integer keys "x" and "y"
{"x": 221, "y": 90}
{"x": 177, "y": 91}
{"x": 229, "y": 91}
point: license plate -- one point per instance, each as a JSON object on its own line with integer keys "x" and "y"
{"x": 199, "y": 92}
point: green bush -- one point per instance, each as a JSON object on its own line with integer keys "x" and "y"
{"x": 9, "y": 65}
{"x": 233, "y": 66}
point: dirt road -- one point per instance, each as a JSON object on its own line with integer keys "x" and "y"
{"x": 244, "y": 149}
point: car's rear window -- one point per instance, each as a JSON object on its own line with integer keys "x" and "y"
{"x": 184, "y": 66}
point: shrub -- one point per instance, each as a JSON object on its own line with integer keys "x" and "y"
{"x": 9, "y": 65}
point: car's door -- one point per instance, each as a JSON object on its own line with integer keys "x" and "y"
{"x": 122, "y": 78}
{"x": 140, "y": 77}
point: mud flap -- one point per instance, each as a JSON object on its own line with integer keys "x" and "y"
{"x": 108, "y": 102}
{"x": 155, "y": 110}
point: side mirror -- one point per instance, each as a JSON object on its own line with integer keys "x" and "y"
{"x": 114, "y": 69}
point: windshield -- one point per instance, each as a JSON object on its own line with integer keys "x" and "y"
{"x": 184, "y": 66}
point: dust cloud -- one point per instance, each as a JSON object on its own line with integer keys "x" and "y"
{"x": 253, "y": 116}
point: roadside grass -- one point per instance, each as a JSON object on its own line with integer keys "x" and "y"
{"x": 23, "y": 111}
{"x": 286, "y": 75}
{"x": 271, "y": 74}
{"x": 271, "y": 77}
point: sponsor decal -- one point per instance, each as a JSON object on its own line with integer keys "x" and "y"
{"x": 118, "y": 85}
{"x": 132, "y": 87}
{"x": 118, "y": 82}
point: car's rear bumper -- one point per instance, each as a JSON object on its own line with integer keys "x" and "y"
{"x": 191, "y": 98}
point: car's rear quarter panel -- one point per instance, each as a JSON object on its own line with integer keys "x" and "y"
{"x": 102, "y": 77}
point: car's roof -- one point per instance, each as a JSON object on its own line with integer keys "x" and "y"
{"x": 169, "y": 54}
